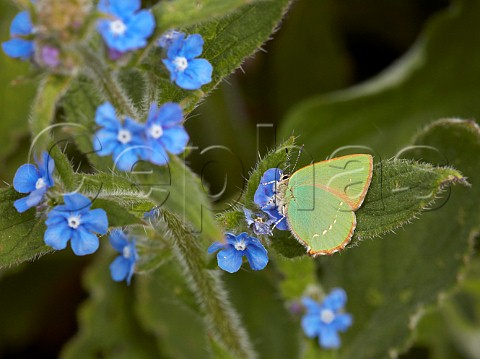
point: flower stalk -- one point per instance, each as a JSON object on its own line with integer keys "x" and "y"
{"x": 220, "y": 317}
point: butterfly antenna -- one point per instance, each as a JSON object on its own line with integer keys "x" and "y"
{"x": 298, "y": 158}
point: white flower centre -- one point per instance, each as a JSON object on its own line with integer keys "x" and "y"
{"x": 327, "y": 316}
{"x": 74, "y": 222}
{"x": 40, "y": 183}
{"x": 124, "y": 136}
{"x": 127, "y": 252}
{"x": 240, "y": 245}
{"x": 180, "y": 63}
{"x": 156, "y": 131}
{"x": 118, "y": 27}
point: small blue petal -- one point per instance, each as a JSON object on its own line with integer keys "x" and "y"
{"x": 46, "y": 166}
{"x": 176, "y": 46}
{"x": 168, "y": 38}
{"x": 126, "y": 158}
{"x": 157, "y": 154}
{"x": 133, "y": 126}
{"x": 230, "y": 238}
{"x": 105, "y": 141}
{"x": 216, "y": 246}
{"x": 57, "y": 236}
{"x": 32, "y": 200}
{"x": 142, "y": 25}
{"x": 343, "y": 321}
{"x": 76, "y": 202}
{"x": 19, "y": 48}
{"x": 336, "y": 300}
{"x": 26, "y": 178}
{"x": 168, "y": 115}
{"x": 187, "y": 80}
{"x": 171, "y": 68}
{"x": 83, "y": 242}
{"x": 96, "y": 221}
{"x": 311, "y": 305}
{"x": 200, "y": 70}
{"x": 230, "y": 259}
{"x": 311, "y": 325}
{"x": 328, "y": 338}
{"x": 21, "y": 24}
{"x": 118, "y": 240}
{"x": 124, "y": 8}
{"x": 57, "y": 217}
{"x": 192, "y": 46}
{"x": 248, "y": 216}
{"x": 105, "y": 116}
{"x": 119, "y": 268}
{"x": 257, "y": 256}
{"x": 175, "y": 139}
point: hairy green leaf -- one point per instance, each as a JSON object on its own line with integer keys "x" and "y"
{"x": 389, "y": 281}
{"x": 49, "y": 92}
{"x": 228, "y": 41}
{"x": 399, "y": 191}
{"x": 176, "y": 188}
{"x": 21, "y": 234}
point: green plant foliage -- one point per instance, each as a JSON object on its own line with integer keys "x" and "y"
{"x": 384, "y": 297}
{"x": 383, "y": 112}
{"x": 228, "y": 41}
{"x": 272, "y": 328}
{"x": 21, "y": 234}
{"x": 164, "y": 304}
{"x": 108, "y": 326}
{"x": 220, "y": 319}
{"x": 399, "y": 191}
{"x": 14, "y": 123}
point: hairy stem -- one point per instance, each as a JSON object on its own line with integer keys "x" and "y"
{"x": 221, "y": 318}
{"x": 50, "y": 90}
{"x": 108, "y": 84}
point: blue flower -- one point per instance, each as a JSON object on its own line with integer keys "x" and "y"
{"x": 33, "y": 180}
{"x": 266, "y": 197}
{"x": 324, "y": 320}
{"x": 168, "y": 38}
{"x": 185, "y": 70}
{"x": 123, "y": 141}
{"x": 233, "y": 250}
{"x": 76, "y": 221}
{"x": 17, "y": 47}
{"x": 123, "y": 267}
{"x": 128, "y": 27}
{"x": 164, "y": 132}
{"x": 260, "y": 223}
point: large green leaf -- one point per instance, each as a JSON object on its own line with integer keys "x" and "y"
{"x": 228, "y": 42}
{"x": 21, "y": 234}
{"x": 435, "y": 79}
{"x": 108, "y": 326}
{"x": 164, "y": 305}
{"x": 389, "y": 281}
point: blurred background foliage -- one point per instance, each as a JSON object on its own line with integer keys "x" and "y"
{"x": 310, "y": 81}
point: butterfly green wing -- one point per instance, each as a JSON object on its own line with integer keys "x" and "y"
{"x": 321, "y": 200}
{"x": 324, "y": 224}
{"x": 348, "y": 177}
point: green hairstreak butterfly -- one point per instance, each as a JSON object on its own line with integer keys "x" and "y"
{"x": 320, "y": 200}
